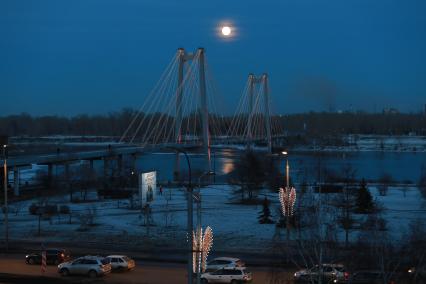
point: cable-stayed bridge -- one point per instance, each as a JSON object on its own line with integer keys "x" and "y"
{"x": 184, "y": 110}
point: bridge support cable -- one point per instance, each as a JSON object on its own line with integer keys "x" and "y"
{"x": 238, "y": 120}
{"x": 204, "y": 111}
{"x": 250, "y": 111}
{"x": 218, "y": 122}
{"x": 140, "y": 112}
{"x": 153, "y": 105}
{"x": 267, "y": 112}
{"x": 164, "y": 128}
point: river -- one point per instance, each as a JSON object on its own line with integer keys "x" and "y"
{"x": 371, "y": 165}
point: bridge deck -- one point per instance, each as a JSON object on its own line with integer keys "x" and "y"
{"x": 59, "y": 158}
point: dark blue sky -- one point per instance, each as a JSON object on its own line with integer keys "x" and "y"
{"x": 95, "y": 56}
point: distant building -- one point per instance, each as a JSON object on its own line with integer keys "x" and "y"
{"x": 390, "y": 110}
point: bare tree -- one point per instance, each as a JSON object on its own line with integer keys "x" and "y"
{"x": 346, "y": 201}
{"x": 250, "y": 174}
{"x": 385, "y": 180}
{"x": 422, "y": 181}
{"x": 377, "y": 249}
{"x": 167, "y": 208}
{"x": 416, "y": 247}
{"x": 88, "y": 218}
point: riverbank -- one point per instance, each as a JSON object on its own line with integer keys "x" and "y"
{"x": 235, "y": 226}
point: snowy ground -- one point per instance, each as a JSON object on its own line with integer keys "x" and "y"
{"x": 383, "y": 143}
{"x": 235, "y": 227}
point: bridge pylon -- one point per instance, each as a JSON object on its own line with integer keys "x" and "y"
{"x": 183, "y": 59}
{"x": 263, "y": 81}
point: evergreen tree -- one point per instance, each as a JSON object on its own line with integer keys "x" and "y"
{"x": 364, "y": 200}
{"x": 265, "y": 214}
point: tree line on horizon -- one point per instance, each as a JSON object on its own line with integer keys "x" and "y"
{"x": 310, "y": 124}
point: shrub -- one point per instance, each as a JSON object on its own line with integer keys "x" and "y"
{"x": 33, "y": 209}
{"x": 64, "y": 209}
{"x": 51, "y": 209}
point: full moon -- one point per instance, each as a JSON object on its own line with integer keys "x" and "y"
{"x": 226, "y": 31}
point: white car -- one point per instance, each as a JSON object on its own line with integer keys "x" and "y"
{"x": 91, "y": 266}
{"x": 224, "y": 262}
{"x": 227, "y": 275}
{"x": 121, "y": 262}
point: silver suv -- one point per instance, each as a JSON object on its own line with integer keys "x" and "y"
{"x": 329, "y": 273}
{"x": 91, "y": 266}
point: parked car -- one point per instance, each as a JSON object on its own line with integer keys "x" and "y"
{"x": 417, "y": 274}
{"x": 222, "y": 262}
{"x": 53, "y": 256}
{"x": 121, "y": 262}
{"x": 91, "y": 266}
{"x": 367, "y": 277}
{"x": 227, "y": 275}
{"x": 331, "y": 273}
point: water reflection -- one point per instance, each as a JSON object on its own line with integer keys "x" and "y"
{"x": 228, "y": 166}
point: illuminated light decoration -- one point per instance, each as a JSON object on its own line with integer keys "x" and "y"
{"x": 201, "y": 245}
{"x": 287, "y": 199}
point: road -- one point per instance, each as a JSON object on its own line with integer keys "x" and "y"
{"x": 144, "y": 273}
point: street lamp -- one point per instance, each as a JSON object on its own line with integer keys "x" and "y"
{"x": 190, "y": 217}
{"x": 6, "y": 221}
{"x": 287, "y": 167}
{"x": 214, "y": 166}
{"x": 208, "y": 173}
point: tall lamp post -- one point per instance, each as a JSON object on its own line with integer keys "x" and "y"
{"x": 198, "y": 199}
{"x": 190, "y": 215}
{"x": 6, "y": 221}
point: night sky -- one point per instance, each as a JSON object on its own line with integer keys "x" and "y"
{"x": 96, "y": 56}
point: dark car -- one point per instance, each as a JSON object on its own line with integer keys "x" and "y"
{"x": 417, "y": 274}
{"x": 53, "y": 256}
{"x": 367, "y": 277}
